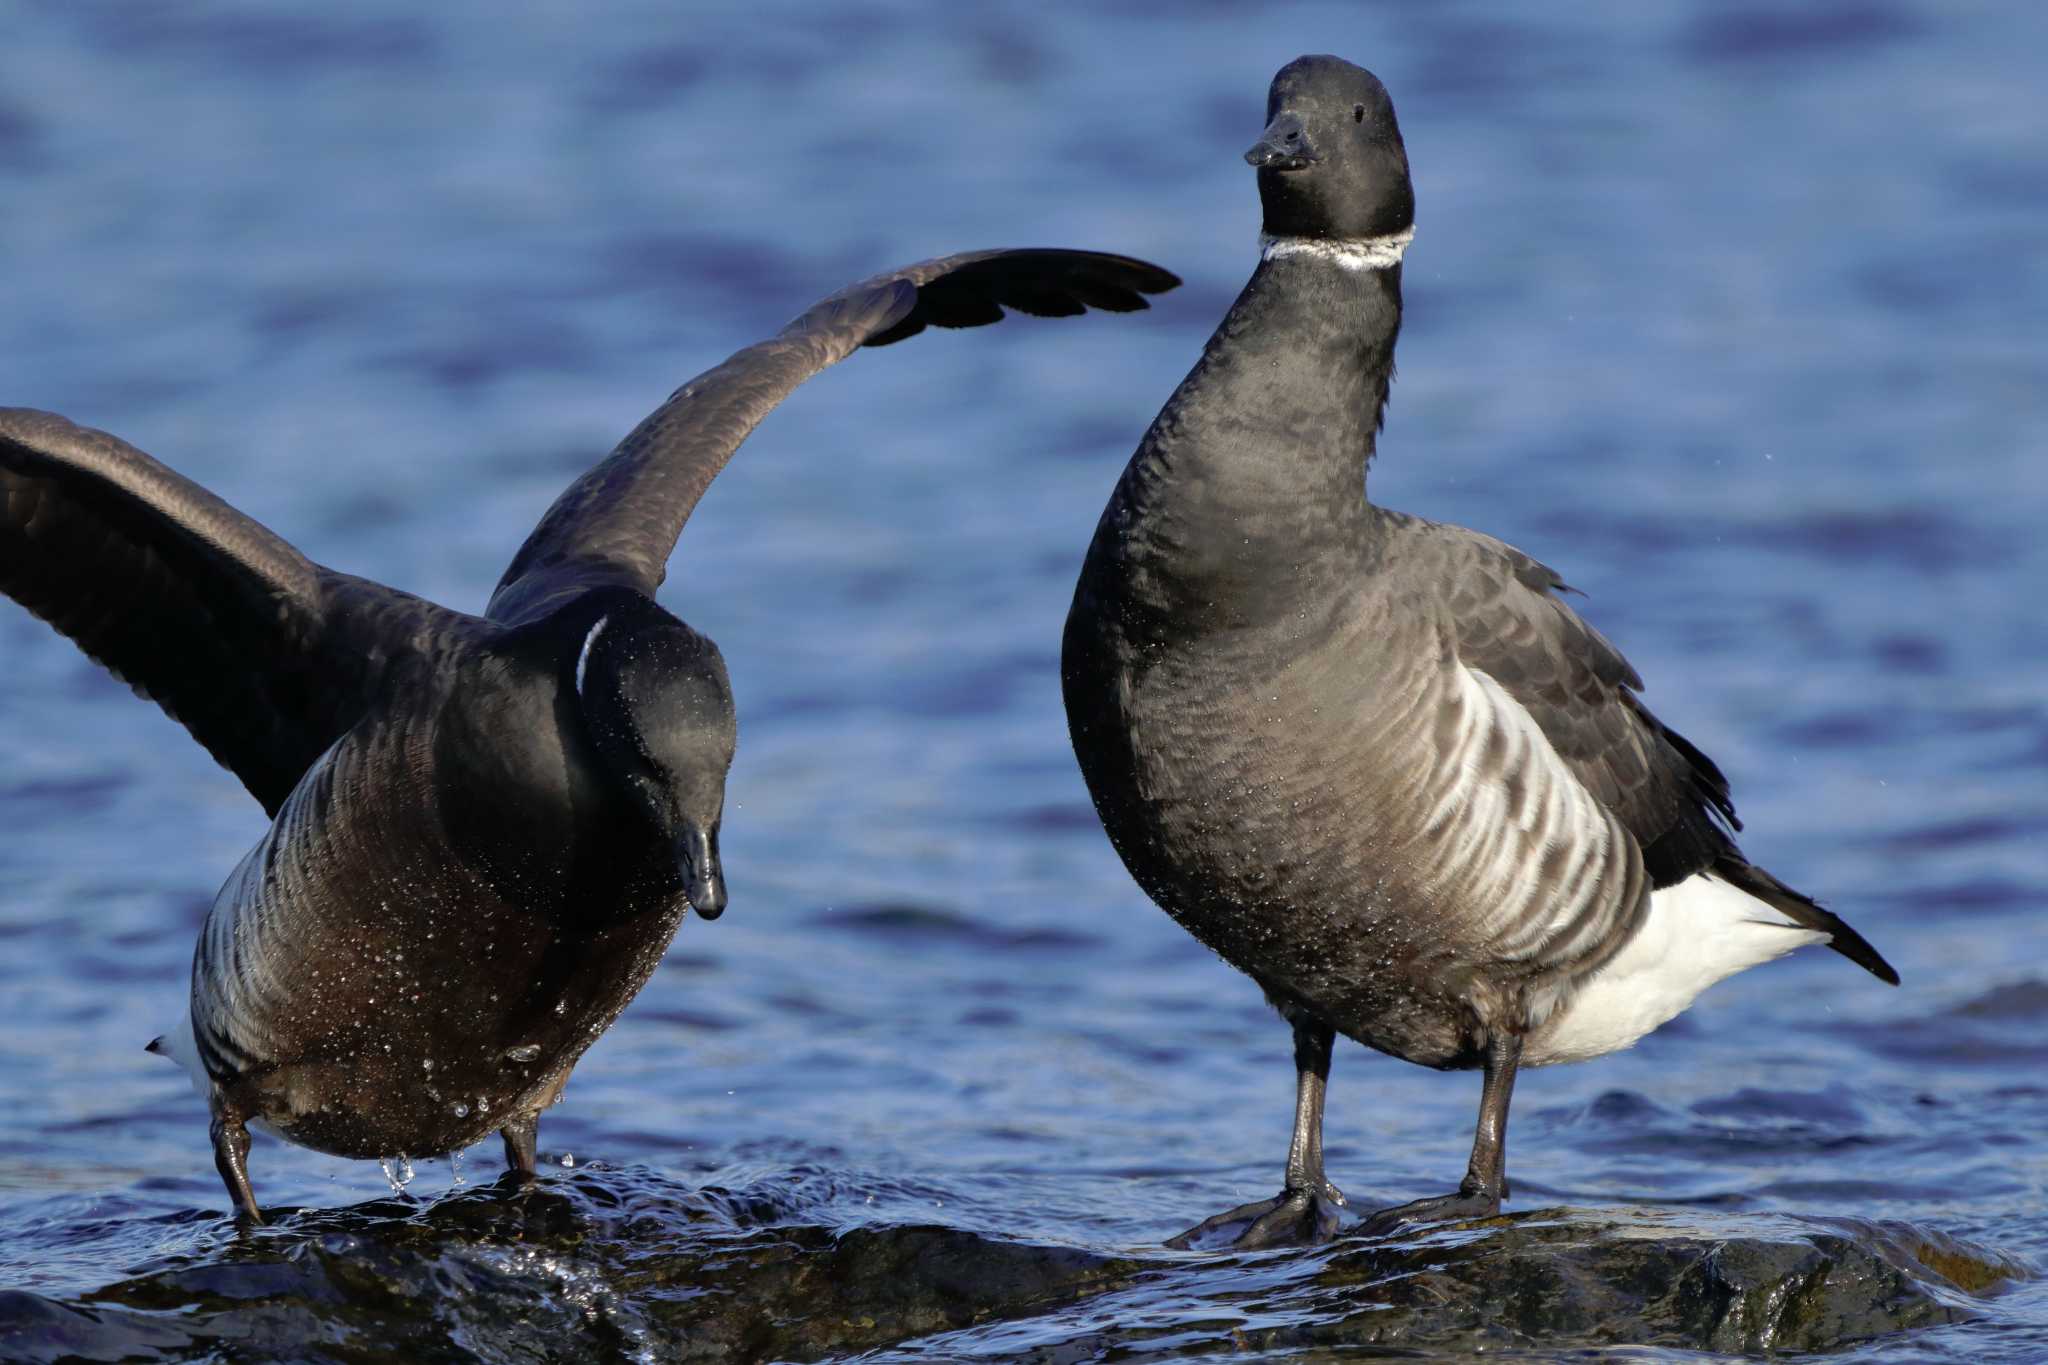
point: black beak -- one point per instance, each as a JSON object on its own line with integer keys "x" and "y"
{"x": 1284, "y": 146}
{"x": 703, "y": 878}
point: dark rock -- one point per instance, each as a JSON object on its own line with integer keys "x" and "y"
{"x": 36, "y": 1328}
{"x": 1585, "y": 1278}
{"x": 622, "y": 1264}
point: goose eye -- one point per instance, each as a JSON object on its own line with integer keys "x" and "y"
{"x": 1358, "y": 114}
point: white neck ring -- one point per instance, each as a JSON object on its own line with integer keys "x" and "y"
{"x": 1348, "y": 253}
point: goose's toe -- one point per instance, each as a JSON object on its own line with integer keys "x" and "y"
{"x": 1444, "y": 1208}
{"x": 1293, "y": 1217}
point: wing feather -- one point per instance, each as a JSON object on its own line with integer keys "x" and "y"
{"x": 264, "y": 656}
{"x": 618, "y": 523}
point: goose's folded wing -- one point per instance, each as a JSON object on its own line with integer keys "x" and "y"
{"x": 1510, "y": 624}
{"x": 1672, "y": 799}
{"x": 618, "y": 523}
{"x": 264, "y": 656}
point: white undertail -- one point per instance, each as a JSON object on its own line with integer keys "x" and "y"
{"x": 1697, "y": 932}
{"x": 178, "y": 1045}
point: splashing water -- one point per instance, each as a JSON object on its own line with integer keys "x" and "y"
{"x": 583, "y": 1287}
{"x": 398, "y": 1171}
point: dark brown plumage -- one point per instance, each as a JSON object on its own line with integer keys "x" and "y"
{"x": 487, "y": 828}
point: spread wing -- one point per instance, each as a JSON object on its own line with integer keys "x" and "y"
{"x": 1663, "y": 793}
{"x": 618, "y": 523}
{"x": 266, "y": 657}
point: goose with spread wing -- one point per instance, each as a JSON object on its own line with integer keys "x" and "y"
{"x": 486, "y": 829}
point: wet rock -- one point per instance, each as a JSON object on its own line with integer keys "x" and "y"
{"x": 621, "y": 1264}
{"x": 599, "y": 1265}
{"x": 1586, "y": 1278}
{"x": 36, "y": 1328}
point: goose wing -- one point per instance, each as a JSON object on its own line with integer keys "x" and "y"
{"x": 1539, "y": 659}
{"x": 618, "y": 523}
{"x": 266, "y": 657}
{"x": 1512, "y": 625}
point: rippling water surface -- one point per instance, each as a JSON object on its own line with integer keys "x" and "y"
{"x": 1732, "y": 312}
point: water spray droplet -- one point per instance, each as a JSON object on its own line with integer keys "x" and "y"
{"x": 397, "y": 1171}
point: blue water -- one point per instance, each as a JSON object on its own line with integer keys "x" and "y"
{"x": 1734, "y": 313}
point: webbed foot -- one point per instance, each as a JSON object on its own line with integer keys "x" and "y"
{"x": 1290, "y": 1218}
{"x": 1467, "y": 1203}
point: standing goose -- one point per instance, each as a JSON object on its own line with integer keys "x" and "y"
{"x": 1372, "y": 761}
{"x": 486, "y": 829}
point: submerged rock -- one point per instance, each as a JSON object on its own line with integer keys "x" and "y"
{"x": 621, "y": 1264}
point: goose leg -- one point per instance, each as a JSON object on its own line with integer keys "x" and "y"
{"x": 1305, "y": 1210}
{"x": 520, "y": 1136}
{"x": 230, "y": 1130}
{"x": 1486, "y": 1182}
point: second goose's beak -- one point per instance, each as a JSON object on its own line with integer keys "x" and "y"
{"x": 703, "y": 877}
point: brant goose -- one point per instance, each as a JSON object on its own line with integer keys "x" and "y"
{"x": 1372, "y": 761}
{"x": 486, "y": 828}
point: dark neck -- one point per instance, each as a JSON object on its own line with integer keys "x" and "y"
{"x": 1252, "y": 480}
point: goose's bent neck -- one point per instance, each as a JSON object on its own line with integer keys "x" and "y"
{"x": 1251, "y": 481}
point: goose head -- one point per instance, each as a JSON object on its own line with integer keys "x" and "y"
{"x": 657, "y": 703}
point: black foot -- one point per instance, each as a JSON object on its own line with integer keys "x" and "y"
{"x": 231, "y": 1159}
{"x": 521, "y": 1136}
{"x": 1445, "y": 1208}
{"x": 1289, "y": 1218}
